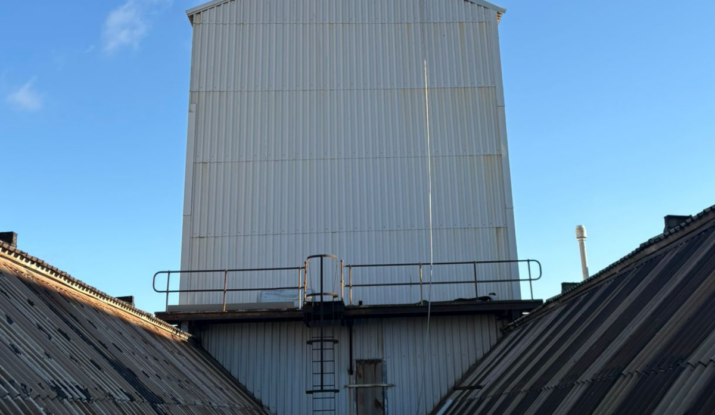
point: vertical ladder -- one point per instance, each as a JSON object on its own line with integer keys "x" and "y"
{"x": 322, "y": 316}
{"x": 323, "y": 372}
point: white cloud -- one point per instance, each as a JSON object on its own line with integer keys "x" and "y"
{"x": 128, "y": 25}
{"x": 26, "y": 97}
{"x": 125, "y": 26}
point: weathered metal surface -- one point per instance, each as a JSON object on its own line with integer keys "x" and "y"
{"x": 370, "y": 400}
{"x": 67, "y": 348}
{"x": 273, "y": 361}
{"x": 452, "y": 308}
{"x": 638, "y": 338}
{"x": 307, "y": 135}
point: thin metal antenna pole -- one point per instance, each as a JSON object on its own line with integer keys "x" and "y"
{"x": 429, "y": 201}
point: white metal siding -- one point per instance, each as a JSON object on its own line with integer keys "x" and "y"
{"x": 272, "y": 359}
{"x": 307, "y": 135}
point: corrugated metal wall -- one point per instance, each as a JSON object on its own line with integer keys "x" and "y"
{"x": 272, "y": 359}
{"x": 307, "y": 135}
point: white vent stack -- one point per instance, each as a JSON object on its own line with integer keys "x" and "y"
{"x": 581, "y": 237}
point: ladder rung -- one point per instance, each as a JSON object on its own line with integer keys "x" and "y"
{"x": 334, "y": 341}
{"x": 311, "y": 392}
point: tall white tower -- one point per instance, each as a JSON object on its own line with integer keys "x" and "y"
{"x": 307, "y": 134}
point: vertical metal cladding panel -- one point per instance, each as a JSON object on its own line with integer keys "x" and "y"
{"x": 307, "y": 135}
{"x": 272, "y": 359}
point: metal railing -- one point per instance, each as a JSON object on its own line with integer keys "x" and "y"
{"x": 420, "y": 265}
{"x": 168, "y": 291}
{"x": 321, "y": 293}
{"x": 302, "y": 272}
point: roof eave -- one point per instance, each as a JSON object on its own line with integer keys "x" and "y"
{"x": 201, "y": 7}
{"x": 499, "y": 9}
{"x": 192, "y": 11}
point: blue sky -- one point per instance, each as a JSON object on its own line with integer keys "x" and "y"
{"x": 610, "y": 114}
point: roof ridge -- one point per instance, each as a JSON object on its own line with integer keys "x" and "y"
{"x": 24, "y": 259}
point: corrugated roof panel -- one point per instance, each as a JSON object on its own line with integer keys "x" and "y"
{"x": 64, "y": 350}
{"x": 639, "y": 340}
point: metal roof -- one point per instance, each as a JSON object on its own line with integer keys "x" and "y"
{"x": 66, "y": 347}
{"x": 202, "y": 7}
{"x": 639, "y": 337}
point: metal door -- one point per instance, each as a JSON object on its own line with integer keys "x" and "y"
{"x": 370, "y": 399}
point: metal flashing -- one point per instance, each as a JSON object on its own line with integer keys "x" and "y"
{"x": 452, "y": 308}
{"x": 203, "y": 7}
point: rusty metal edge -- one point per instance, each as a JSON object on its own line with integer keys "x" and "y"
{"x": 34, "y": 264}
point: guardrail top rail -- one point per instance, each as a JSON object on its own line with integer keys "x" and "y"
{"x": 302, "y": 284}
{"x": 420, "y": 265}
{"x": 168, "y": 291}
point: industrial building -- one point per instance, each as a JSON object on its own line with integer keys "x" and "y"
{"x": 636, "y": 337}
{"x": 347, "y": 176}
{"x": 307, "y": 134}
{"x": 349, "y": 248}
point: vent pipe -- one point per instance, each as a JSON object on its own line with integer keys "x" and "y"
{"x": 581, "y": 237}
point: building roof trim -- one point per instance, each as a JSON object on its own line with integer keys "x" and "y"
{"x": 653, "y": 245}
{"x": 56, "y": 275}
{"x": 203, "y": 7}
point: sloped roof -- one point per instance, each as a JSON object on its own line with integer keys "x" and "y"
{"x": 66, "y": 347}
{"x": 637, "y": 338}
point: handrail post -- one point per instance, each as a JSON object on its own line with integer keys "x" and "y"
{"x": 168, "y": 279}
{"x": 350, "y": 282}
{"x": 421, "y": 296}
{"x": 305, "y": 282}
{"x": 300, "y": 285}
{"x": 531, "y": 285}
{"x": 225, "y": 281}
{"x": 476, "y": 286}
{"x": 342, "y": 283}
